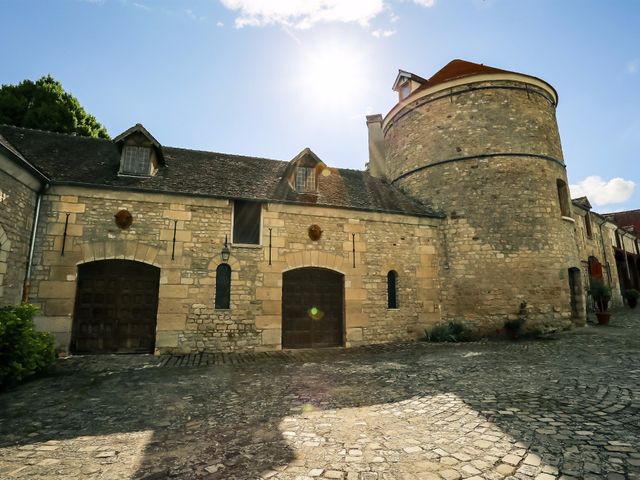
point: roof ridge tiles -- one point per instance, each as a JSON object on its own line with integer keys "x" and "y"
{"x": 222, "y": 153}
{"x": 54, "y": 133}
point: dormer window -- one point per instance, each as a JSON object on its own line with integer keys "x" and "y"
{"x": 306, "y": 179}
{"x": 406, "y": 83}
{"x": 405, "y": 90}
{"x": 140, "y": 153}
{"x": 136, "y": 160}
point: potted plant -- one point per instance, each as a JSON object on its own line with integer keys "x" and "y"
{"x": 601, "y": 295}
{"x": 631, "y": 294}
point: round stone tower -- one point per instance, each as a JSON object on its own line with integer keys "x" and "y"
{"x": 482, "y": 146}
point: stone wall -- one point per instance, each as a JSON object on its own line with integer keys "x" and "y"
{"x": 187, "y": 320}
{"x": 597, "y": 245}
{"x": 488, "y": 155}
{"x": 17, "y": 206}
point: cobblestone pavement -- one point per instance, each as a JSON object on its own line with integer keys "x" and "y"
{"x": 564, "y": 407}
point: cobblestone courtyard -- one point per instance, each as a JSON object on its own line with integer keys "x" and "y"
{"x": 566, "y": 406}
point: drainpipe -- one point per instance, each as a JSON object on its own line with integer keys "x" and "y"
{"x": 26, "y": 288}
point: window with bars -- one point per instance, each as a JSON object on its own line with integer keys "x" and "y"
{"x": 306, "y": 179}
{"x": 223, "y": 287}
{"x": 135, "y": 160}
{"x": 246, "y": 222}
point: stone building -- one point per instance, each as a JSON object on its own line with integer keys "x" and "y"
{"x": 463, "y": 213}
{"x": 627, "y": 247}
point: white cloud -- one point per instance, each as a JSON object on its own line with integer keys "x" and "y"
{"x": 302, "y": 14}
{"x": 616, "y": 190}
{"x": 425, "y": 3}
{"x": 383, "y": 33}
{"x": 141, "y": 6}
{"x": 219, "y": 24}
{"x": 633, "y": 66}
{"x": 193, "y": 15}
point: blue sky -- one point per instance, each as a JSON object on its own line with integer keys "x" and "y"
{"x": 270, "y": 77}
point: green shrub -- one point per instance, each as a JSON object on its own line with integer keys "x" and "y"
{"x": 23, "y": 351}
{"x": 631, "y": 293}
{"x": 448, "y": 332}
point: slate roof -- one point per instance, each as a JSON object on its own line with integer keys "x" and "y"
{"x": 76, "y": 160}
{"x": 582, "y": 202}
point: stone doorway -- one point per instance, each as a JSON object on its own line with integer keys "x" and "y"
{"x": 312, "y": 308}
{"x": 116, "y": 307}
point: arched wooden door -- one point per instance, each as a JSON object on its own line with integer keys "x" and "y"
{"x": 312, "y": 308}
{"x": 116, "y": 307}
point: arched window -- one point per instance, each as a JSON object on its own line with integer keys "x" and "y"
{"x": 563, "y": 198}
{"x": 223, "y": 286}
{"x": 392, "y": 289}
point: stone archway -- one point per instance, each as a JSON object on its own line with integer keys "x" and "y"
{"x": 116, "y": 307}
{"x": 312, "y": 308}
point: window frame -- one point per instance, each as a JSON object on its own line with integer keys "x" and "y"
{"x": 128, "y": 158}
{"x": 233, "y": 224}
{"x": 310, "y": 177}
{"x": 562, "y": 190}
{"x": 587, "y": 226}
{"x": 392, "y": 286}
{"x": 405, "y": 89}
{"x": 219, "y": 303}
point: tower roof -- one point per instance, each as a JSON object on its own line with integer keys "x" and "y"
{"x": 458, "y": 69}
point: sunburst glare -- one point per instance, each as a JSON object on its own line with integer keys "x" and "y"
{"x": 334, "y": 76}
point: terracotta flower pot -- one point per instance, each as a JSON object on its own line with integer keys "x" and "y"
{"x": 603, "y": 317}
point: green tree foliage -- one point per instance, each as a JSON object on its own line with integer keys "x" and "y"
{"x": 23, "y": 351}
{"x": 46, "y": 106}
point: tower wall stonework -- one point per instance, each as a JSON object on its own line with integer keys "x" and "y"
{"x": 488, "y": 155}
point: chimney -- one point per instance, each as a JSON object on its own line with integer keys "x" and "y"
{"x": 376, "y": 146}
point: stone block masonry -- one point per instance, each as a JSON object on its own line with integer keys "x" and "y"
{"x": 488, "y": 155}
{"x": 17, "y": 203}
{"x": 187, "y": 320}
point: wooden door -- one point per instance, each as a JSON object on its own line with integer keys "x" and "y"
{"x": 312, "y": 308}
{"x": 116, "y": 307}
{"x": 595, "y": 268}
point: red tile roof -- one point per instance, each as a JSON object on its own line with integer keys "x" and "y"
{"x": 459, "y": 69}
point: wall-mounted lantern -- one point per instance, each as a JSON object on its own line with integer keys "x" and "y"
{"x": 226, "y": 251}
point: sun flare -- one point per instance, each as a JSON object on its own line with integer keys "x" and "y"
{"x": 333, "y": 77}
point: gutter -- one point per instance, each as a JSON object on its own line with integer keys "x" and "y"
{"x": 26, "y": 288}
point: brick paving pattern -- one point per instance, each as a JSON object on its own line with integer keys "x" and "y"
{"x": 563, "y": 407}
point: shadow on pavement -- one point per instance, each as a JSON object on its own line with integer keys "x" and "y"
{"x": 566, "y": 401}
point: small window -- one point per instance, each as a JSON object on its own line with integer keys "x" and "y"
{"x": 563, "y": 198}
{"x": 223, "y": 286}
{"x": 306, "y": 179}
{"x": 405, "y": 90}
{"x": 135, "y": 160}
{"x": 587, "y": 225}
{"x": 392, "y": 289}
{"x": 246, "y": 222}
